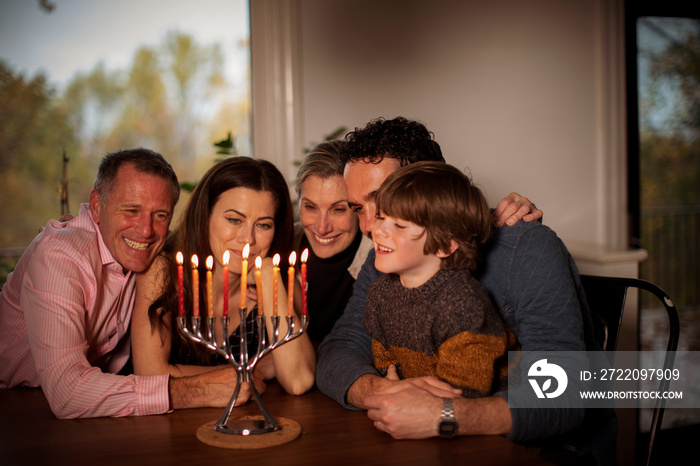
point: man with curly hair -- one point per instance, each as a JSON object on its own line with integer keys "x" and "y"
{"x": 533, "y": 282}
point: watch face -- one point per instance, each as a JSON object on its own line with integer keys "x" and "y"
{"x": 447, "y": 429}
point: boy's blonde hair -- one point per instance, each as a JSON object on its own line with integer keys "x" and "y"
{"x": 443, "y": 200}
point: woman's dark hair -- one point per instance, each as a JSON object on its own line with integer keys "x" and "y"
{"x": 192, "y": 237}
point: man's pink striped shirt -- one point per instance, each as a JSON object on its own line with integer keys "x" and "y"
{"x": 64, "y": 326}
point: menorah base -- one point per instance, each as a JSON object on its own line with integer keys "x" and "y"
{"x": 287, "y": 431}
{"x": 245, "y": 432}
{"x": 247, "y": 427}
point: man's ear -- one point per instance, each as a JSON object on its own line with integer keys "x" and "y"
{"x": 453, "y": 247}
{"x": 96, "y": 205}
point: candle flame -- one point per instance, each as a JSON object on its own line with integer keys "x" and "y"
{"x": 258, "y": 262}
{"x": 305, "y": 255}
{"x": 179, "y": 258}
{"x": 210, "y": 262}
{"x": 227, "y": 255}
{"x": 195, "y": 260}
{"x": 276, "y": 260}
{"x": 245, "y": 252}
{"x": 292, "y": 259}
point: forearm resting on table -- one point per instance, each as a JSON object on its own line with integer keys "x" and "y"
{"x": 475, "y": 416}
{"x": 186, "y": 392}
{"x": 296, "y": 370}
{"x": 211, "y": 389}
{"x": 150, "y": 367}
{"x": 364, "y": 386}
{"x": 483, "y": 416}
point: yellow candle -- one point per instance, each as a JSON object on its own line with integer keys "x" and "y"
{"x": 275, "y": 282}
{"x": 195, "y": 286}
{"x": 258, "y": 284}
{"x": 210, "y": 287}
{"x": 225, "y": 259}
{"x": 290, "y": 284}
{"x": 244, "y": 276}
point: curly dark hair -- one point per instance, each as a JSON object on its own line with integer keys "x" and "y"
{"x": 406, "y": 140}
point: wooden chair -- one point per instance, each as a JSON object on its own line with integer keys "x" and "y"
{"x": 606, "y": 300}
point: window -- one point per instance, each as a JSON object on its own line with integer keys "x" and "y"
{"x": 85, "y": 78}
{"x": 663, "y": 65}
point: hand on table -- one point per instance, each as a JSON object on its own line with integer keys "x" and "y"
{"x": 410, "y": 408}
{"x": 211, "y": 389}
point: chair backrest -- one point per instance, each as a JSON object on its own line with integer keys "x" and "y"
{"x": 606, "y": 299}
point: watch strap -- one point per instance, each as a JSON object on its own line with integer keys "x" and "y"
{"x": 448, "y": 411}
{"x": 448, "y": 423}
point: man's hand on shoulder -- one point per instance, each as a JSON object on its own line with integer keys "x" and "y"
{"x": 513, "y": 208}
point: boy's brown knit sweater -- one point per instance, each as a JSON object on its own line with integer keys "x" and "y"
{"x": 446, "y": 328}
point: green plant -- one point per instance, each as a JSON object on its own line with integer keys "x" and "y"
{"x": 225, "y": 147}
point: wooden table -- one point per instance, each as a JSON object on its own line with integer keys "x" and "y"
{"x": 331, "y": 436}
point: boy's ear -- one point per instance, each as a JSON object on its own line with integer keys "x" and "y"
{"x": 453, "y": 247}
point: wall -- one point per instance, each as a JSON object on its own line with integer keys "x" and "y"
{"x": 512, "y": 90}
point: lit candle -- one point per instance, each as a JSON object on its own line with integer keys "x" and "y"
{"x": 210, "y": 287}
{"x": 275, "y": 281}
{"x": 258, "y": 284}
{"x": 195, "y": 286}
{"x": 290, "y": 284}
{"x": 304, "y": 305}
{"x": 244, "y": 275}
{"x": 180, "y": 286}
{"x": 225, "y": 259}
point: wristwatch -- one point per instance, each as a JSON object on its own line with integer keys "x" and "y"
{"x": 448, "y": 423}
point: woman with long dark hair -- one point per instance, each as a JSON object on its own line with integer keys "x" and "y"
{"x": 239, "y": 201}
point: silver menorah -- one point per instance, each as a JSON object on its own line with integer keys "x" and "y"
{"x": 244, "y": 364}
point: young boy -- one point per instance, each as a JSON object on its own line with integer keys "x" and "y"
{"x": 428, "y": 315}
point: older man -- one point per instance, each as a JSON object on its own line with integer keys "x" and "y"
{"x": 65, "y": 310}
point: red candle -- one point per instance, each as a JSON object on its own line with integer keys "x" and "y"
{"x": 210, "y": 287}
{"x": 304, "y": 305}
{"x": 290, "y": 284}
{"x": 275, "y": 282}
{"x": 258, "y": 284}
{"x": 180, "y": 286}
{"x": 225, "y": 273}
{"x": 195, "y": 286}
{"x": 244, "y": 275}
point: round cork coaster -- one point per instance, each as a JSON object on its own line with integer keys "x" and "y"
{"x": 289, "y": 431}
